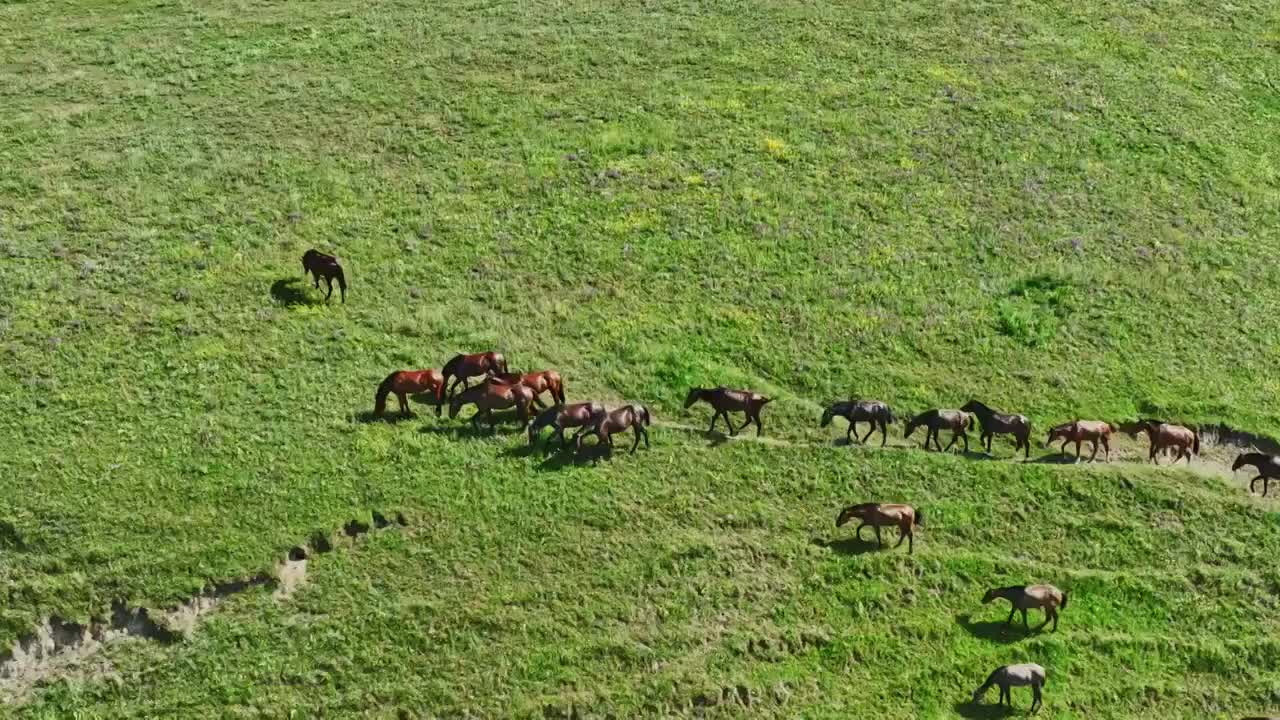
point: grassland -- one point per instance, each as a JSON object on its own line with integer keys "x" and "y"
{"x": 1062, "y": 208}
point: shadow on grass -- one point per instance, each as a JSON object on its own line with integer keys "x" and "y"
{"x": 430, "y": 401}
{"x": 588, "y": 455}
{"x": 992, "y": 630}
{"x": 391, "y": 418}
{"x": 1060, "y": 459}
{"x": 970, "y": 709}
{"x": 286, "y": 292}
{"x": 849, "y": 546}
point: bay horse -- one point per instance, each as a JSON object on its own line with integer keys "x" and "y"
{"x": 877, "y": 515}
{"x": 615, "y": 421}
{"x": 1011, "y": 676}
{"x": 1268, "y": 467}
{"x": 1078, "y": 431}
{"x": 855, "y": 411}
{"x": 1167, "y": 436}
{"x": 327, "y": 267}
{"x": 539, "y": 382}
{"x": 464, "y": 367}
{"x": 934, "y": 420}
{"x": 406, "y": 382}
{"x": 724, "y": 400}
{"x": 488, "y": 397}
{"x": 1027, "y": 597}
{"x": 559, "y": 417}
{"x": 998, "y": 423}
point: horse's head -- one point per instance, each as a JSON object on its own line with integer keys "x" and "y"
{"x": 991, "y": 595}
{"x": 455, "y": 405}
{"x": 970, "y": 406}
{"x": 849, "y": 513}
{"x": 1239, "y": 463}
{"x": 642, "y": 413}
{"x": 909, "y": 424}
{"x": 827, "y": 415}
{"x": 694, "y": 396}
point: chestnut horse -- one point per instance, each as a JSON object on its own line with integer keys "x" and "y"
{"x": 1268, "y": 467}
{"x": 463, "y": 367}
{"x": 539, "y": 382}
{"x": 997, "y": 423}
{"x": 934, "y": 420}
{"x": 493, "y": 396}
{"x": 724, "y": 400}
{"x": 1167, "y": 436}
{"x": 876, "y": 515}
{"x": 1029, "y": 597}
{"x": 615, "y": 421}
{"x": 326, "y": 266}
{"x": 559, "y": 417}
{"x": 1078, "y": 431}
{"x": 856, "y": 411}
{"x": 406, "y": 382}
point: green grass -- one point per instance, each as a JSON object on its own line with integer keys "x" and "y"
{"x": 1064, "y": 209}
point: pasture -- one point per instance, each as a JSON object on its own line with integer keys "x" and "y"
{"x": 1061, "y": 209}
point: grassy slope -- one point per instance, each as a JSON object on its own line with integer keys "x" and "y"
{"x": 1064, "y": 209}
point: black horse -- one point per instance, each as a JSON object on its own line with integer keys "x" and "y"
{"x": 1268, "y": 468}
{"x": 996, "y": 423}
{"x": 327, "y": 267}
{"x": 856, "y": 411}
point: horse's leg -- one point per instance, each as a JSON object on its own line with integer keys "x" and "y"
{"x": 1055, "y": 619}
{"x": 868, "y": 435}
{"x": 1266, "y": 484}
{"x": 1026, "y": 625}
{"x": 858, "y": 532}
{"x": 954, "y": 437}
{"x": 964, "y": 435}
{"x": 1047, "y": 615}
{"x": 1107, "y": 444}
{"x": 1078, "y": 450}
{"x": 1095, "y": 451}
{"x": 714, "y": 417}
{"x": 1012, "y": 609}
{"x": 404, "y": 403}
{"x": 729, "y": 421}
{"x": 636, "y": 430}
{"x": 759, "y": 426}
{"x": 645, "y": 433}
{"x": 1152, "y": 457}
{"x": 1253, "y": 483}
{"x": 937, "y": 445}
{"x": 328, "y": 282}
{"x": 879, "y": 541}
{"x": 884, "y": 433}
{"x": 1026, "y": 446}
{"x": 848, "y": 433}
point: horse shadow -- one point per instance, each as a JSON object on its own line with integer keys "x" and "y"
{"x": 428, "y": 400}
{"x": 566, "y": 456}
{"x": 991, "y": 630}
{"x": 463, "y": 431}
{"x": 848, "y": 546}
{"x": 980, "y": 711}
{"x": 368, "y": 417}
{"x": 1058, "y": 459}
{"x": 286, "y": 292}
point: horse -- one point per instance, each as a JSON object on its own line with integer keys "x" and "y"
{"x": 539, "y": 382}
{"x": 559, "y": 417}
{"x": 1011, "y": 676}
{"x": 1166, "y": 436}
{"x": 463, "y": 367}
{"x": 876, "y": 515}
{"x": 955, "y": 420}
{"x": 493, "y": 396}
{"x": 997, "y": 423}
{"x": 326, "y": 266}
{"x": 1026, "y": 597}
{"x": 724, "y": 400}
{"x": 405, "y": 382}
{"x": 856, "y": 411}
{"x": 1078, "y": 431}
{"x": 615, "y": 421}
{"x": 1268, "y": 467}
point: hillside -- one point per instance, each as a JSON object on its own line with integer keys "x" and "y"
{"x": 1065, "y": 209}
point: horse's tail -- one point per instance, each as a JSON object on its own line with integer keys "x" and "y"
{"x": 448, "y": 369}
{"x": 1196, "y": 446}
{"x": 1064, "y": 601}
{"x": 342, "y": 281}
{"x": 557, "y": 389}
{"x": 890, "y": 418}
{"x": 919, "y": 518}
{"x": 380, "y": 398}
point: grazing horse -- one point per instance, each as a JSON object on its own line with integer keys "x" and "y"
{"x": 406, "y": 382}
{"x": 463, "y": 367}
{"x": 539, "y": 382}
{"x": 326, "y": 266}
{"x": 1268, "y": 468}
{"x": 1011, "y": 676}
{"x": 493, "y": 396}
{"x": 877, "y": 515}
{"x": 934, "y": 420}
{"x": 559, "y": 417}
{"x": 1027, "y": 597}
{"x": 997, "y": 423}
{"x": 615, "y": 421}
{"x": 1165, "y": 436}
{"x": 1078, "y": 431}
{"x": 856, "y": 411}
{"x": 723, "y": 401}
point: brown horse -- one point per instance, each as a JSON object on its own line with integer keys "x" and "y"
{"x": 539, "y": 382}
{"x": 1028, "y": 597}
{"x": 464, "y": 367}
{"x": 724, "y": 401}
{"x": 873, "y": 412}
{"x": 956, "y": 421}
{"x": 1268, "y": 468}
{"x": 327, "y": 267}
{"x": 877, "y": 515}
{"x": 997, "y": 423}
{"x": 1167, "y": 436}
{"x": 493, "y": 396}
{"x": 615, "y": 421}
{"x": 406, "y": 382}
{"x": 559, "y": 417}
{"x": 1012, "y": 676}
{"x": 1078, "y": 431}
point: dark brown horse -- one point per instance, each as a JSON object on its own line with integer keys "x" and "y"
{"x": 957, "y": 421}
{"x": 615, "y": 421}
{"x": 877, "y": 515}
{"x": 1268, "y": 467}
{"x": 1078, "y": 431}
{"x": 724, "y": 401}
{"x": 464, "y": 367}
{"x": 855, "y": 411}
{"x": 1167, "y": 436}
{"x": 493, "y": 396}
{"x": 559, "y": 417}
{"x": 327, "y": 267}
{"x": 539, "y": 382}
{"x": 406, "y": 382}
{"x": 997, "y": 423}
